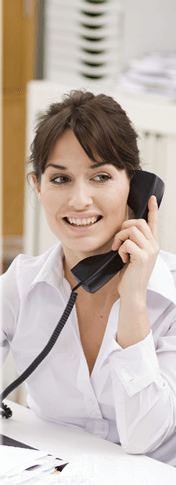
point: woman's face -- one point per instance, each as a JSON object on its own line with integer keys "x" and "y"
{"x": 85, "y": 203}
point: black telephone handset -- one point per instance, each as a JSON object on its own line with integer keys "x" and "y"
{"x": 95, "y": 271}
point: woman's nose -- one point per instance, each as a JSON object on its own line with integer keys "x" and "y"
{"x": 80, "y": 196}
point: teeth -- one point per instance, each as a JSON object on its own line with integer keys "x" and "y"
{"x": 82, "y": 222}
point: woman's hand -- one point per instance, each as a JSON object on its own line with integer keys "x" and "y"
{"x": 137, "y": 244}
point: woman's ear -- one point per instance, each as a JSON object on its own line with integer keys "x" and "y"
{"x": 37, "y": 186}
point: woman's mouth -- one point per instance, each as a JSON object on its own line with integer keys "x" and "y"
{"x": 83, "y": 222}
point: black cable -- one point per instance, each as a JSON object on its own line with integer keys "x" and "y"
{"x": 6, "y": 411}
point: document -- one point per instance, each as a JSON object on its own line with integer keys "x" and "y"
{"x": 20, "y": 466}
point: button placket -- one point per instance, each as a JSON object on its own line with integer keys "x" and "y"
{"x": 93, "y": 407}
{"x": 87, "y": 391}
{"x": 108, "y": 339}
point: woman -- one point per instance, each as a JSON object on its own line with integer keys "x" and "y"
{"x": 112, "y": 371}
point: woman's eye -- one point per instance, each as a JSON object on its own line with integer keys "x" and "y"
{"x": 102, "y": 177}
{"x": 61, "y": 179}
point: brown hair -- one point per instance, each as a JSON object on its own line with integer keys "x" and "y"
{"x": 100, "y": 125}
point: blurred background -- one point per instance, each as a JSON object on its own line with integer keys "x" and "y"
{"x": 123, "y": 48}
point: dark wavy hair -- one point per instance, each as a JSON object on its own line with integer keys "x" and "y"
{"x": 100, "y": 125}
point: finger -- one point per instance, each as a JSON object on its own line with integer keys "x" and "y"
{"x": 141, "y": 224}
{"x": 132, "y": 234}
{"x": 130, "y": 252}
{"x": 153, "y": 216}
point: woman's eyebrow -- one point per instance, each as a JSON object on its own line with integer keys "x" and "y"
{"x": 98, "y": 164}
{"x": 60, "y": 167}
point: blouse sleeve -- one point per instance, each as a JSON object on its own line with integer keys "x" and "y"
{"x": 10, "y": 302}
{"x": 144, "y": 388}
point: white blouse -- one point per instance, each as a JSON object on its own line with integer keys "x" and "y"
{"x": 130, "y": 397}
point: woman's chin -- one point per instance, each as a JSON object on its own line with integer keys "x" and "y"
{"x": 89, "y": 251}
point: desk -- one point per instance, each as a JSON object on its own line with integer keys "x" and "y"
{"x": 66, "y": 442}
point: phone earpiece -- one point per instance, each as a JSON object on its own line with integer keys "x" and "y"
{"x": 143, "y": 185}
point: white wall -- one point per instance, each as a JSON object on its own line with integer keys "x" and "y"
{"x": 149, "y": 25}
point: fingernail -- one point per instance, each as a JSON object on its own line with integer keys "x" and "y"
{"x": 114, "y": 247}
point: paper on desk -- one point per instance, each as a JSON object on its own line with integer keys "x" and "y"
{"x": 97, "y": 469}
{"x": 21, "y": 465}
{"x": 128, "y": 469}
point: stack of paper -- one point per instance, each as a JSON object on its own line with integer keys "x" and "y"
{"x": 154, "y": 73}
{"x": 21, "y": 466}
{"x": 25, "y": 467}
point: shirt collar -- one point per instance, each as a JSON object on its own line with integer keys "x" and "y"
{"x": 51, "y": 270}
{"x": 161, "y": 280}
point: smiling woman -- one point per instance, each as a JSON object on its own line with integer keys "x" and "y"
{"x": 114, "y": 363}
{"x": 85, "y": 202}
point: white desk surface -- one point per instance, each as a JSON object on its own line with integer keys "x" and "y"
{"x": 67, "y": 442}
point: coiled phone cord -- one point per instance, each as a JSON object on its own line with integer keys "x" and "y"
{"x": 5, "y": 411}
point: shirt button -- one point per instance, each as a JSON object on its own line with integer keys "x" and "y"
{"x": 93, "y": 413}
{"x": 100, "y": 426}
{"x": 91, "y": 402}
